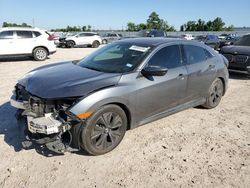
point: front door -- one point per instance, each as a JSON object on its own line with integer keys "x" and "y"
{"x": 7, "y": 45}
{"x": 160, "y": 93}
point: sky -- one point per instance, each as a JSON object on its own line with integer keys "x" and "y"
{"x": 115, "y": 14}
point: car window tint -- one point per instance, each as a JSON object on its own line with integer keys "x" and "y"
{"x": 168, "y": 57}
{"x": 208, "y": 54}
{"x": 24, "y": 34}
{"x": 194, "y": 54}
{"x": 113, "y": 53}
{"x": 6, "y": 35}
{"x": 82, "y": 34}
{"x": 36, "y": 33}
{"x": 243, "y": 41}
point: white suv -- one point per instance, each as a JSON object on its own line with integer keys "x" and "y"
{"x": 83, "y": 38}
{"x": 26, "y": 42}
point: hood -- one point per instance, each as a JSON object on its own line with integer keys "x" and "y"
{"x": 233, "y": 49}
{"x": 66, "y": 80}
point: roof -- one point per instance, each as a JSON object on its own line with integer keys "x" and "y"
{"x": 156, "y": 41}
{"x": 20, "y": 28}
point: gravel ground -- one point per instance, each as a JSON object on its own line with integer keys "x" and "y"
{"x": 193, "y": 148}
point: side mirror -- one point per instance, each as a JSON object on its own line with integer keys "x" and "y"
{"x": 154, "y": 71}
{"x": 77, "y": 36}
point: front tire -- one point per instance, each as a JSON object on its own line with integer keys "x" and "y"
{"x": 70, "y": 44}
{"x": 215, "y": 94}
{"x": 95, "y": 44}
{"x": 40, "y": 54}
{"x": 104, "y": 130}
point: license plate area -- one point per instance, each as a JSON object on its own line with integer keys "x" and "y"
{"x": 44, "y": 125}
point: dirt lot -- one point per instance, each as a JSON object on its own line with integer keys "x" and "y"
{"x": 194, "y": 148}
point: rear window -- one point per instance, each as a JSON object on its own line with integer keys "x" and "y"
{"x": 24, "y": 34}
{"x": 194, "y": 54}
{"x": 243, "y": 41}
{"x": 36, "y": 33}
{"x": 6, "y": 35}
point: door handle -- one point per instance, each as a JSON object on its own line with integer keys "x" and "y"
{"x": 180, "y": 77}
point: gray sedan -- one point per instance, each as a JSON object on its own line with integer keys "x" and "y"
{"x": 89, "y": 104}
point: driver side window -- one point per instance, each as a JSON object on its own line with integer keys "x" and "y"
{"x": 168, "y": 57}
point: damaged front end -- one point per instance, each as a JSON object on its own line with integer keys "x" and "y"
{"x": 48, "y": 122}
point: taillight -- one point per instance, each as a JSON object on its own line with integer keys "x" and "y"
{"x": 52, "y": 37}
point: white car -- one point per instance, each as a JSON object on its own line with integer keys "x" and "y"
{"x": 187, "y": 37}
{"x": 26, "y": 42}
{"x": 82, "y": 39}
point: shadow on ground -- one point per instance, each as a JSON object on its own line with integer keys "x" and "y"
{"x": 14, "y": 135}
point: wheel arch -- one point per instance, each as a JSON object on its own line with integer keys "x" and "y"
{"x": 126, "y": 110}
{"x": 40, "y": 47}
{"x": 224, "y": 84}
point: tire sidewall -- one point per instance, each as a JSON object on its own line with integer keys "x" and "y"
{"x": 90, "y": 123}
{"x": 35, "y": 55}
{"x": 208, "y": 102}
{"x": 95, "y": 44}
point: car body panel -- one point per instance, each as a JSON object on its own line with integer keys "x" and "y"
{"x": 66, "y": 80}
{"x": 238, "y": 55}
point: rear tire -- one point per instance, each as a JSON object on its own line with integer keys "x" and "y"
{"x": 104, "y": 41}
{"x": 104, "y": 130}
{"x": 215, "y": 94}
{"x": 40, "y": 54}
{"x": 95, "y": 44}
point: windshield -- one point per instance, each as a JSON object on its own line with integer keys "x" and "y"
{"x": 116, "y": 58}
{"x": 243, "y": 41}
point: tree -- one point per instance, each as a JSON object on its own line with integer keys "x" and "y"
{"x": 154, "y": 22}
{"x": 141, "y": 26}
{"x": 89, "y": 28}
{"x": 229, "y": 28}
{"x": 191, "y": 26}
{"x": 84, "y": 28}
{"x": 6, "y": 24}
{"x": 200, "y": 26}
{"x": 131, "y": 26}
{"x": 218, "y": 24}
{"x": 166, "y": 27}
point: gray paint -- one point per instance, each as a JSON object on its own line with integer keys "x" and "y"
{"x": 146, "y": 98}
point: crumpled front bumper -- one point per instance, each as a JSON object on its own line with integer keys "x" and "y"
{"x": 46, "y": 130}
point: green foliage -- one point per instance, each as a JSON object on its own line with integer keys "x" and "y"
{"x": 73, "y": 29}
{"x": 6, "y": 24}
{"x": 153, "y": 22}
{"x": 216, "y": 25}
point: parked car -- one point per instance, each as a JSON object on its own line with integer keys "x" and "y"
{"x": 118, "y": 87}
{"x": 211, "y": 40}
{"x": 187, "y": 37}
{"x": 26, "y": 42}
{"x": 151, "y": 33}
{"x": 238, "y": 55}
{"x": 81, "y": 39}
{"x": 110, "y": 37}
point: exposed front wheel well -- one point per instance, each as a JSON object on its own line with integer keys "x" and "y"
{"x": 224, "y": 85}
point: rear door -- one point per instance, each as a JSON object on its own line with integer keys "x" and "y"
{"x": 7, "y": 43}
{"x": 201, "y": 69}
{"x": 160, "y": 93}
{"x": 24, "y": 42}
